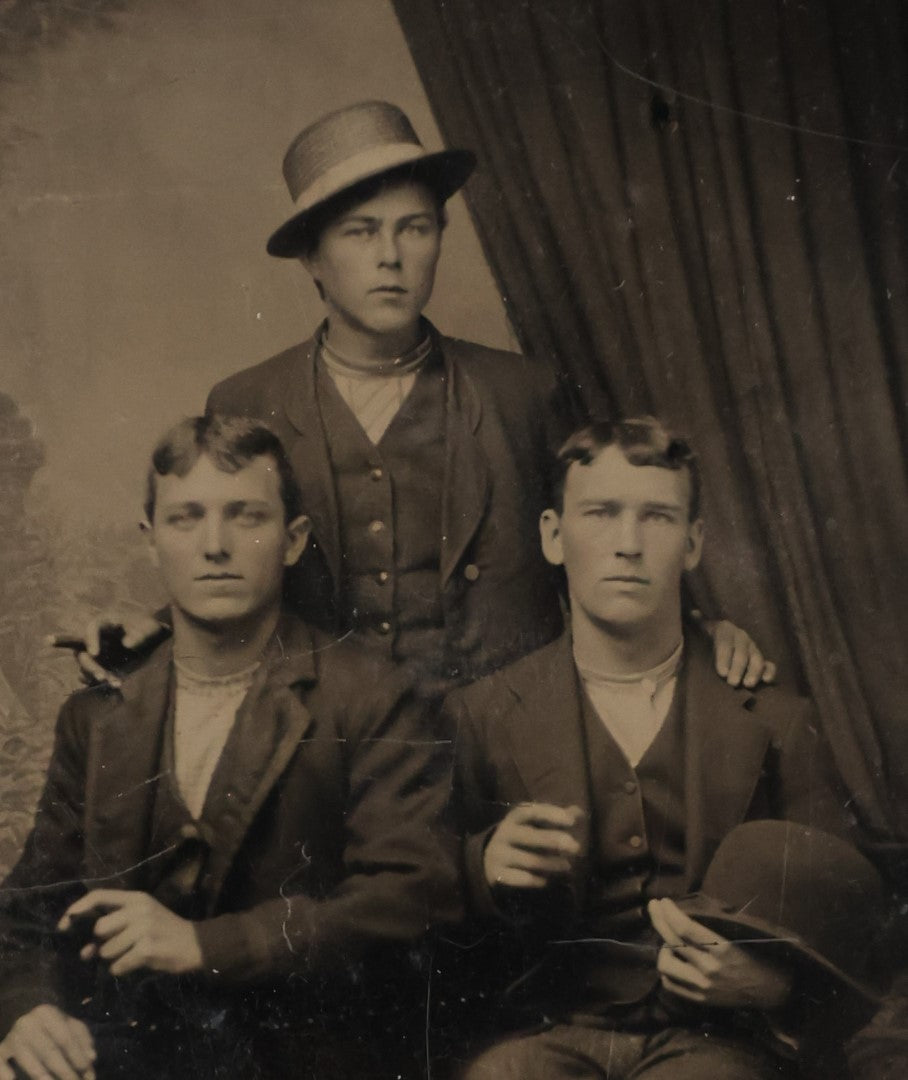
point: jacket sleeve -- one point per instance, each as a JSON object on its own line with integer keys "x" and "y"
{"x": 242, "y": 394}
{"x": 808, "y": 789}
{"x": 45, "y": 880}
{"x": 563, "y": 411}
{"x": 400, "y": 860}
{"x": 254, "y": 392}
{"x": 476, "y": 811}
{"x": 221, "y": 400}
{"x": 552, "y": 414}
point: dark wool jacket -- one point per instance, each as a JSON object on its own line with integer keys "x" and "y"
{"x": 322, "y": 822}
{"x": 504, "y": 415}
{"x": 520, "y": 738}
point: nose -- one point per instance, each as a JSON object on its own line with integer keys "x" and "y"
{"x": 628, "y": 540}
{"x": 216, "y": 540}
{"x": 388, "y": 249}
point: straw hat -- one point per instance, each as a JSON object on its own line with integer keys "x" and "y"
{"x": 349, "y": 147}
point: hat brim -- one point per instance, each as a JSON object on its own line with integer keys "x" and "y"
{"x": 740, "y": 927}
{"x": 445, "y": 172}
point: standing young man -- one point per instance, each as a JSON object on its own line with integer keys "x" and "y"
{"x": 229, "y": 844}
{"x": 596, "y": 779}
{"x": 423, "y": 459}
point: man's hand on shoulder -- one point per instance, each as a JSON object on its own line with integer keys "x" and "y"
{"x": 46, "y": 1043}
{"x": 532, "y": 844}
{"x": 738, "y": 658}
{"x": 133, "y": 931}
{"x": 702, "y": 966}
{"x": 114, "y": 641}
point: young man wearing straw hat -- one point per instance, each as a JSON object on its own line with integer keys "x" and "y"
{"x": 423, "y": 459}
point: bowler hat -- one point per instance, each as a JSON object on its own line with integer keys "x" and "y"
{"x": 801, "y": 893}
{"x": 348, "y": 147}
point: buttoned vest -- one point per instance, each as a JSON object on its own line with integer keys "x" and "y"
{"x": 389, "y": 501}
{"x": 637, "y": 852}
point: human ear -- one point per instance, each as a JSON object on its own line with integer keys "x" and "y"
{"x": 298, "y": 532}
{"x": 147, "y": 530}
{"x": 550, "y": 536}
{"x": 694, "y": 549}
{"x": 310, "y": 264}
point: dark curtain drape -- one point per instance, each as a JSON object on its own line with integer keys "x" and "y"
{"x": 699, "y": 210}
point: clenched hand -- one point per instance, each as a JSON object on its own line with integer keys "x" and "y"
{"x": 134, "y": 931}
{"x": 533, "y": 843}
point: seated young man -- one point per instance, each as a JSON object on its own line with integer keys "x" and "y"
{"x": 229, "y": 844}
{"x": 595, "y": 780}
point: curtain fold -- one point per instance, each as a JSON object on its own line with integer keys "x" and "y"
{"x": 699, "y": 210}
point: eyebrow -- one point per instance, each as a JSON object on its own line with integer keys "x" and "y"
{"x": 188, "y": 504}
{"x": 621, "y": 502}
{"x": 244, "y": 504}
{"x": 663, "y": 506}
{"x": 234, "y": 504}
{"x": 370, "y": 219}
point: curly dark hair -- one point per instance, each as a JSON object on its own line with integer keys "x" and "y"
{"x": 643, "y": 440}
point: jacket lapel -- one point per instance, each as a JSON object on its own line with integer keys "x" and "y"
{"x": 725, "y": 747}
{"x": 124, "y": 766}
{"x": 270, "y": 724}
{"x": 310, "y": 456}
{"x": 545, "y": 733}
{"x": 466, "y": 484}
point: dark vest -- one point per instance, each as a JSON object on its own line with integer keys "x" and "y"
{"x": 177, "y": 877}
{"x": 389, "y": 500}
{"x": 637, "y": 852}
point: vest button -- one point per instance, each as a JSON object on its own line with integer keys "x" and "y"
{"x": 630, "y": 787}
{"x": 376, "y": 526}
{"x": 635, "y": 841}
{"x": 383, "y": 577}
{"x": 471, "y": 572}
{"x": 376, "y": 474}
{"x": 384, "y": 628}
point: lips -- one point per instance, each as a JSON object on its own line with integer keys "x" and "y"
{"x": 220, "y": 577}
{"x": 627, "y": 579}
{"x": 393, "y": 290}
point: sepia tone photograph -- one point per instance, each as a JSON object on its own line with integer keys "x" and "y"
{"x": 452, "y": 523}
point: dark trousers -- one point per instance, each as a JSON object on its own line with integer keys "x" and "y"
{"x": 171, "y": 1028}
{"x": 582, "y": 1052}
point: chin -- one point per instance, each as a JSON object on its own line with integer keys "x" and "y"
{"x": 622, "y": 606}
{"x": 219, "y": 612}
{"x": 622, "y": 616}
{"x": 385, "y": 329}
{"x": 391, "y": 319}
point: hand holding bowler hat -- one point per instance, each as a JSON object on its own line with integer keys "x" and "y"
{"x": 780, "y": 903}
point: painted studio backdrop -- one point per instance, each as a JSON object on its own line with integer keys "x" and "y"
{"x": 140, "y": 153}
{"x": 692, "y": 209}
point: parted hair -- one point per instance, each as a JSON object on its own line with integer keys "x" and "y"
{"x": 643, "y": 440}
{"x": 231, "y": 442}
